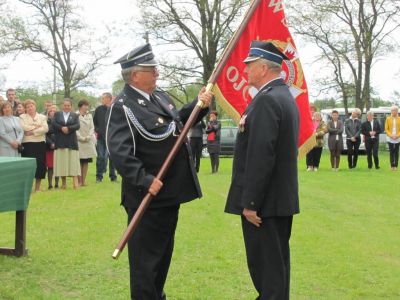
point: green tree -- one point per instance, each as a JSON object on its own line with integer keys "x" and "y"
{"x": 41, "y": 97}
{"x": 199, "y": 28}
{"x": 57, "y": 32}
{"x": 352, "y": 35}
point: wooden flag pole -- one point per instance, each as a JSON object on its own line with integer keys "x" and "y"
{"x": 233, "y": 41}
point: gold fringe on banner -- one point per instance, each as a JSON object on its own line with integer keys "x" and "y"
{"x": 231, "y": 111}
{"x": 310, "y": 143}
{"x": 226, "y": 106}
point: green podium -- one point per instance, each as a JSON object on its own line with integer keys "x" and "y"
{"x": 16, "y": 178}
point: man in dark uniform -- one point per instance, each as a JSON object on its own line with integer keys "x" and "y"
{"x": 142, "y": 127}
{"x": 264, "y": 189}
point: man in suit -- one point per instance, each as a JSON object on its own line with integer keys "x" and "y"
{"x": 12, "y": 99}
{"x": 142, "y": 127}
{"x": 353, "y": 139}
{"x": 264, "y": 188}
{"x": 371, "y": 130}
{"x": 196, "y": 142}
{"x": 99, "y": 121}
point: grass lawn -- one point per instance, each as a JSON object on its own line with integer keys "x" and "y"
{"x": 345, "y": 243}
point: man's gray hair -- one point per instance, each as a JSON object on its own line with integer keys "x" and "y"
{"x": 271, "y": 65}
{"x": 370, "y": 113}
{"x": 358, "y": 111}
{"x": 126, "y": 73}
{"x": 394, "y": 107}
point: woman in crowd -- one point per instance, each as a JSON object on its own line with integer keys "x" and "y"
{"x": 11, "y": 133}
{"x": 86, "y": 139}
{"x": 20, "y": 109}
{"x": 50, "y": 145}
{"x": 1, "y": 102}
{"x": 392, "y": 129}
{"x": 314, "y": 156}
{"x": 213, "y": 131}
{"x": 34, "y": 145}
{"x": 66, "y": 155}
{"x": 335, "y": 139}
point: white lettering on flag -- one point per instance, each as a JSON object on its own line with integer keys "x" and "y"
{"x": 278, "y": 5}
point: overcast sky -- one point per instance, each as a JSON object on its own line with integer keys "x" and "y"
{"x": 29, "y": 70}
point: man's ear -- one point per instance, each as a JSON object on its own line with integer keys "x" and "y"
{"x": 133, "y": 77}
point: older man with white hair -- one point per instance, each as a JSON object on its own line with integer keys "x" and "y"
{"x": 352, "y": 128}
{"x": 371, "y": 130}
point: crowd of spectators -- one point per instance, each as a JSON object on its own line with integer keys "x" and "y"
{"x": 63, "y": 142}
{"x": 355, "y": 132}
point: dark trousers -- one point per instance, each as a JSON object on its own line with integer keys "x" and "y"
{"x": 335, "y": 155}
{"x": 313, "y": 157}
{"x": 101, "y": 161}
{"x": 394, "y": 154}
{"x": 150, "y": 250}
{"x": 214, "y": 157}
{"x": 196, "y": 143}
{"x": 268, "y": 256}
{"x": 352, "y": 152}
{"x": 372, "y": 147}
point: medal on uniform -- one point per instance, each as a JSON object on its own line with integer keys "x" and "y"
{"x": 141, "y": 102}
{"x": 242, "y": 122}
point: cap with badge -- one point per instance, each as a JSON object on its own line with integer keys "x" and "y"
{"x": 266, "y": 50}
{"x": 141, "y": 56}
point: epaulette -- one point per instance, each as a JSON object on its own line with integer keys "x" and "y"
{"x": 120, "y": 100}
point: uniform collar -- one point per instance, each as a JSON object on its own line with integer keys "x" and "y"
{"x": 272, "y": 83}
{"x": 144, "y": 94}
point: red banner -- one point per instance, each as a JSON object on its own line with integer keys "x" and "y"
{"x": 267, "y": 23}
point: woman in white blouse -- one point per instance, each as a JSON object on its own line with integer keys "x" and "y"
{"x": 35, "y": 128}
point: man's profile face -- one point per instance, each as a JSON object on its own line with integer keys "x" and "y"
{"x": 11, "y": 95}
{"x": 145, "y": 79}
{"x": 254, "y": 71}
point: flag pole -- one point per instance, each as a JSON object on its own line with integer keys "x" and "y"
{"x": 182, "y": 135}
{"x": 233, "y": 41}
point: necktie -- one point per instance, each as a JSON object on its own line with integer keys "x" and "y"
{"x": 155, "y": 101}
